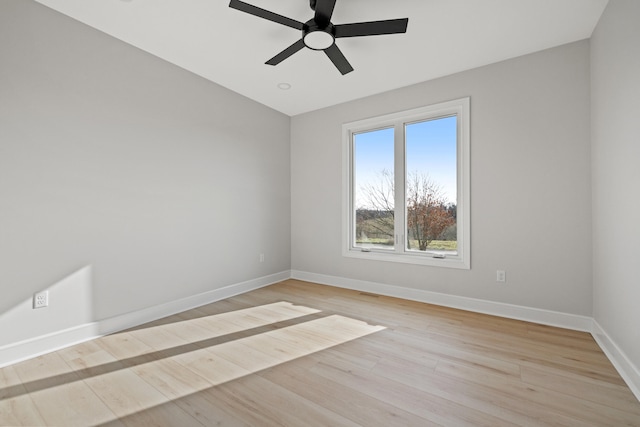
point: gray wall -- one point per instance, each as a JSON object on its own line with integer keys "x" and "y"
{"x": 125, "y": 182}
{"x": 615, "y": 62}
{"x": 530, "y": 183}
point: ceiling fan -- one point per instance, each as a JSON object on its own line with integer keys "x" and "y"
{"x": 319, "y": 33}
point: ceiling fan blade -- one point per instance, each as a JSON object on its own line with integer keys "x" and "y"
{"x": 338, "y": 59}
{"x": 286, "y": 53}
{"x": 265, "y": 14}
{"x": 324, "y": 11}
{"x": 373, "y": 28}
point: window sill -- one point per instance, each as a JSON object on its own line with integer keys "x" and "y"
{"x": 449, "y": 261}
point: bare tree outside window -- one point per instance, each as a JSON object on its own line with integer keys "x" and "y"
{"x": 375, "y": 218}
{"x": 429, "y": 217}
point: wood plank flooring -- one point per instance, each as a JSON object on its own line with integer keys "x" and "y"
{"x": 302, "y": 354}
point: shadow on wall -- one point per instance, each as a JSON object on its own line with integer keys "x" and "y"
{"x": 70, "y": 305}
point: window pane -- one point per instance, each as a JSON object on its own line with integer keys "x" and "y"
{"x": 431, "y": 188}
{"x": 373, "y": 189}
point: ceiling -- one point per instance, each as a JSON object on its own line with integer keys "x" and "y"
{"x": 230, "y": 47}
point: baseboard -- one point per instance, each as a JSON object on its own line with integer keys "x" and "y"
{"x": 27, "y": 349}
{"x": 536, "y": 315}
{"x": 625, "y": 367}
{"x": 124, "y": 321}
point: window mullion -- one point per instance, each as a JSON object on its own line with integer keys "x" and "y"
{"x": 399, "y": 184}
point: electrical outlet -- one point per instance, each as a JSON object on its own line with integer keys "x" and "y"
{"x": 261, "y": 257}
{"x": 501, "y": 276}
{"x": 41, "y": 299}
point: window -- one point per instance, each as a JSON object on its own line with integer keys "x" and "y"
{"x": 406, "y": 186}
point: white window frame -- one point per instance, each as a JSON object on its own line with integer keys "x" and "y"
{"x": 462, "y": 259}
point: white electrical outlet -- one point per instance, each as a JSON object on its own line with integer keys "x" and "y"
{"x": 261, "y": 257}
{"x": 41, "y": 299}
{"x": 501, "y": 276}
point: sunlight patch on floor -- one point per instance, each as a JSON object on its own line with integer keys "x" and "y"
{"x": 149, "y": 366}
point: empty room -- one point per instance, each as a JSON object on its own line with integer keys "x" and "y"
{"x": 319, "y": 213}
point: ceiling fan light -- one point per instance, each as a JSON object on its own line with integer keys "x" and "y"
{"x": 318, "y": 40}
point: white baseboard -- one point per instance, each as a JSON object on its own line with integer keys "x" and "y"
{"x": 625, "y": 367}
{"x": 27, "y": 349}
{"x": 124, "y": 321}
{"x": 536, "y": 315}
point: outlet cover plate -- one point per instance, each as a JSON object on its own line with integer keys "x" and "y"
{"x": 41, "y": 299}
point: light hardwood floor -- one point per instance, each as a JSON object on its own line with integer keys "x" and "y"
{"x": 302, "y": 354}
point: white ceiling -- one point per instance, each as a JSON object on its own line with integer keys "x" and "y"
{"x": 230, "y": 47}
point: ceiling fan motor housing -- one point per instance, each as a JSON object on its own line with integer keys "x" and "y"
{"x": 318, "y": 37}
